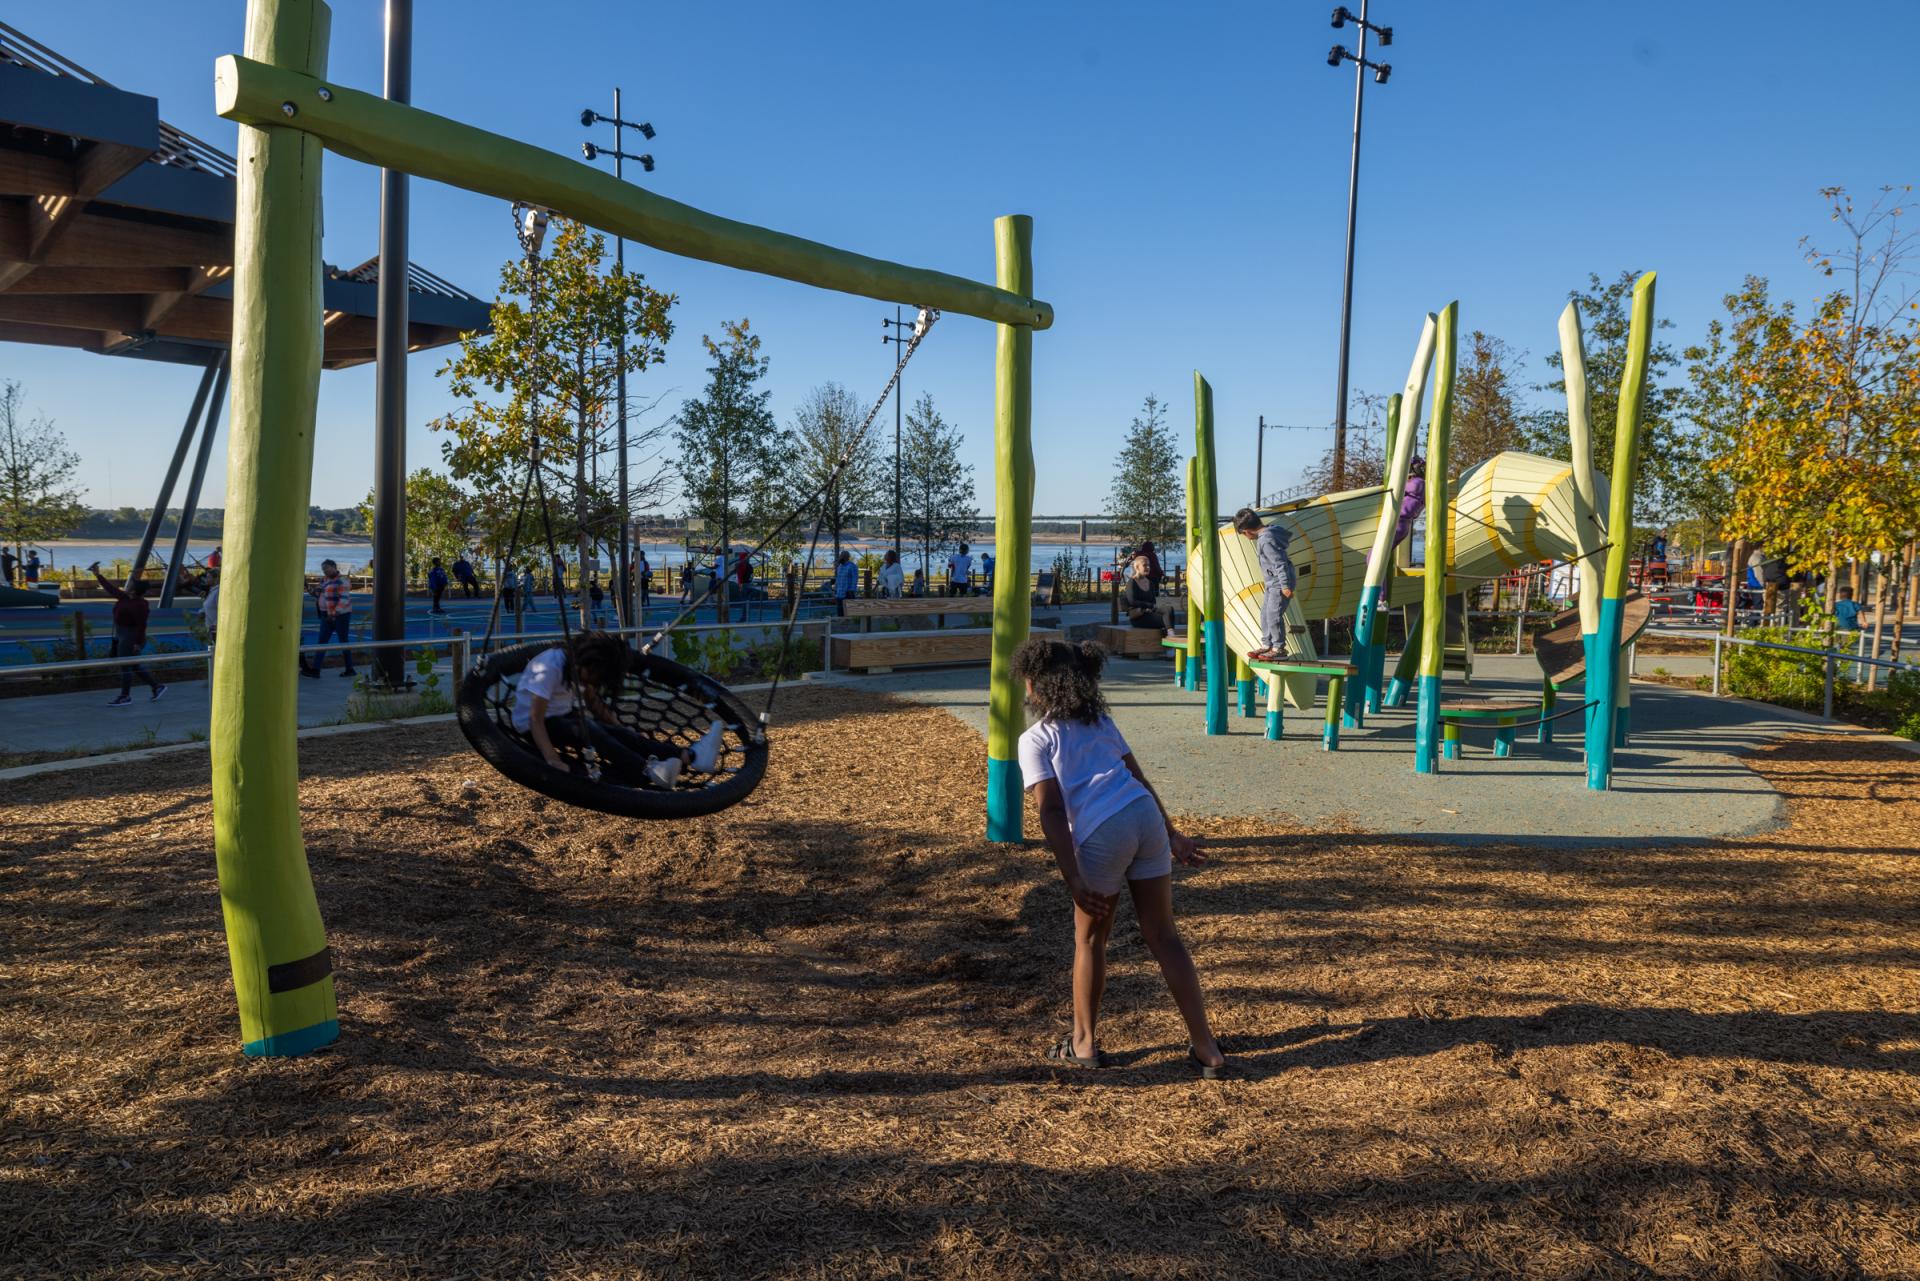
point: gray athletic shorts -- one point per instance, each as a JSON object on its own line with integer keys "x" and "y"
{"x": 1130, "y": 846}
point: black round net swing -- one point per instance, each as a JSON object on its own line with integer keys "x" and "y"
{"x": 660, "y": 700}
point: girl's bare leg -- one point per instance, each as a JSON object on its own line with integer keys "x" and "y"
{"x": 1153, "y": 905}
{"x": 1089, "y": 976}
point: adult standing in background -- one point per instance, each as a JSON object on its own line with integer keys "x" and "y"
{"x": 32, "y": 567}
{"x": 1155, "y": 570}
{"x": 464, "y": 575}
{"x": 7, "y": 566}
{"x": 846, "y": 578}
{"x": 986, "y": 572}
{"x": 643, "y": 579}
{"x": 959, "y": 572}
{"x": 893, "y": 578}
{"x": 437, "y": 585}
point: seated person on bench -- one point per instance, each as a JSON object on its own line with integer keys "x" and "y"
{"x": 1276, "y": 568}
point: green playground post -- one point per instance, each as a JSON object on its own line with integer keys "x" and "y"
{"x": 282, "y": 970}
{"x": 1243, "y": 684}
{"x": 1196, "y": 585}
{"x": 1588, "y": 535}
{"x": 1433, "y": 608}
{"x": 1370, "y": 625}
{"x": 1208, "y": 491}
{"x": 1604, "y": 676}
{"x": 1013, "y": 530}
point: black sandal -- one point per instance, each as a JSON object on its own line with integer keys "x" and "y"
{"x": 1062, "y": 1052}
{"x": 1206, "y": 1071}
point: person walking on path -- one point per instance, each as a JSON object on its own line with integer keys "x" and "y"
{"x": 846, "y": 578}
{"x": 1276, "y": 568}
{"x": 643, "y": 579}
{"x": 437, "y": 584}
{"x": 1106, "y": 828}
{"x": 129, "y": 635}
{"x": 526, "y": 587}
{"x": 893, "y": 579}
{"x": 559, "y": 584}
{"x": 464, "y": 575}
{"x": 335, "y": 597}
{"x": 959, "y": 572}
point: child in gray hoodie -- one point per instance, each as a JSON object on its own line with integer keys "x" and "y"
{"x": 1270, "y": 544}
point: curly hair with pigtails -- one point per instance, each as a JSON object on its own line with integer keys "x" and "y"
{"x": 1063, "y": 679}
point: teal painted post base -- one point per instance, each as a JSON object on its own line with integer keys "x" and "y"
{"x": 1426, "y": 757}
{"x": 1179, "y": 668}
{"x": 287, "y": 1045}
{"x": 1602, "y": 684}
{"x": 1365, "y": 626}
{"x": 1374, "y": 673}
{"x": 1005, "y": 802}
{"x": 1586, "y": 689}
{"x": 1503, "y": 739}
{"x": 1274, "y": 726}
{"x": 1193, "y": 672}
{"x": 1245, "y": 691}
{"x": 1450, "y": 741}
{"x": 1217, "y": 676}
{"x": 1621, "y": 716}
{"x": 1396, "y": 693}
{"x": 1260, "y": 687}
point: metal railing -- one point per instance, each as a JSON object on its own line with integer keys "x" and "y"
{"x": 1831, "y": 662}
{"x": 459, "y": 647}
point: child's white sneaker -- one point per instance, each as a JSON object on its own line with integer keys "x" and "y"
{"x": 664, "y": 774}
{"x": 706, "y": 752}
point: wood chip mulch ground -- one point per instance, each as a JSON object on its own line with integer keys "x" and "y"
{"x": 803, "y": 1039}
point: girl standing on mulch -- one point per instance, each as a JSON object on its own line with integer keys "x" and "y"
{"x": 1105, "y": 825}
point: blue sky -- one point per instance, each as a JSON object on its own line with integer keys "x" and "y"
{"x": 1185, "y": 166}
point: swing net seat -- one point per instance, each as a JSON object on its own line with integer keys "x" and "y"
{"x": 660, "y": 700}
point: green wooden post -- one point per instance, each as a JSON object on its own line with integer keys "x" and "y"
{"x": 282, "y": 974}
{"x": 1207, "y": 491}
{"x": 1606, "y": 670}
{"x": 1370, "y": 623}
{"x": 1013, "y": 530}
{"x": 1196, "y": 583}
{"x": 1433, "y": 608}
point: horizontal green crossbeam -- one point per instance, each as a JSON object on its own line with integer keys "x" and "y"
{"x": 395, "y": 136}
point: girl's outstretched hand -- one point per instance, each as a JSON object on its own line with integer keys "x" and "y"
{"x": 1186, "y": 849}
{"x": 1094, "y": 905}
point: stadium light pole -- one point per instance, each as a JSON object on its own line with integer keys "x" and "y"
{"x": 622, "y": 557}
{"x": 900, "y": 332}
{"x": 1381, "y": 71}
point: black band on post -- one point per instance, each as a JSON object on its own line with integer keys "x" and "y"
{"x": 294, "y": 975}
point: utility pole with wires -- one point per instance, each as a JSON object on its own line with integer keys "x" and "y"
{"x": 1260, "y": 451}
{"x": 1381, "y": 71}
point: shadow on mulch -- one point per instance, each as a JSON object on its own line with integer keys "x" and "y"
{"x": 802, "y": 1038}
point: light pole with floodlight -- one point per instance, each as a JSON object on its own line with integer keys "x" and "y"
{"x": 1381, "y": 71}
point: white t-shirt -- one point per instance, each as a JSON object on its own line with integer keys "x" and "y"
{"x": 960, "y": 567}
{"x": 892, "y": 579}
{"x": 545, "y": 677}
{"x": 1087, "y": 761}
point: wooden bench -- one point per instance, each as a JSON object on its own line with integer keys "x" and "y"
{"x": 884, "y": 651}
{"x": 1502, "y": 713}
{"x": 1132, "y": 642}
{"x": 867, "y": 609}
{"x": 1337, "y": 672}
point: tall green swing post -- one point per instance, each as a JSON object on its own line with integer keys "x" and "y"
{"x": 1433, "y": 605}
{"x": 1207, "y": 516}
{"x": 289, "y": 113}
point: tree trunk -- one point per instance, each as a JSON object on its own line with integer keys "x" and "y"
{"x": 1833, "y": 585}
{"x": 1736, "y": 577}
{"x": 1879, "y": 613}
{"x": 580, "y": 489}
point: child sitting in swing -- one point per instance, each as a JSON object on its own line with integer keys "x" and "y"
{"x": 593, "y": 666}
{"x": 1106, "y": 827}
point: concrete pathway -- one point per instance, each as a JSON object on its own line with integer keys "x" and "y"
{"x": 1680, "y": 778}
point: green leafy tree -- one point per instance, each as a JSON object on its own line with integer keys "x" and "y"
{"x": 731, "y": 450}
{"x": 826, "y": 431}
{"x": 38, "y": 497}
{"x": 560, "y": 348}
{"x": 1147, "y": 498}
{"x": 1366, "y": 458}
{"x": 937, "y": 502}
{"x": 1486, "y": 417}
{"x": 439, "y": 513}
{"x": 1665, "y": 453}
